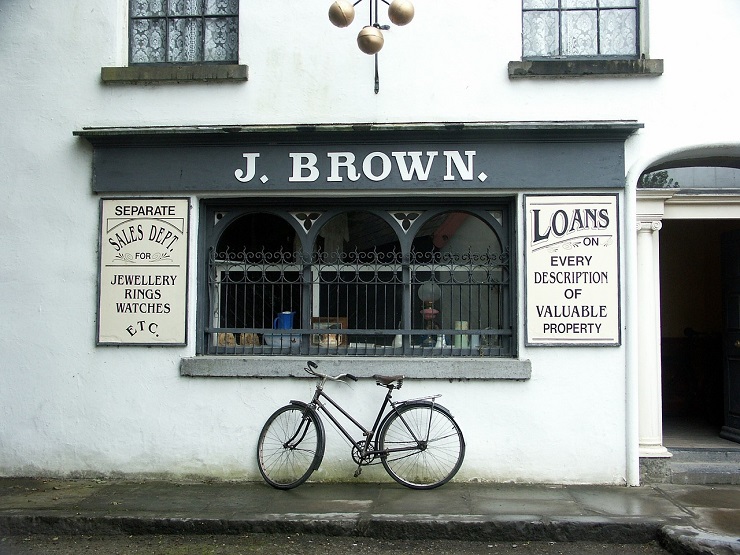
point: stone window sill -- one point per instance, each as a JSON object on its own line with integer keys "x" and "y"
{"x": 584, "y": 68}
{"x": 292, "y": 367}
{"x": 174, "y": 73}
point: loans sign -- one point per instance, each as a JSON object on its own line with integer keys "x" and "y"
{"x": 143, "y": 271}
{"x": 572, "y": 276}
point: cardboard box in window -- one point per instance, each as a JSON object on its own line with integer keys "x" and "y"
{"x": 326, "y": 324}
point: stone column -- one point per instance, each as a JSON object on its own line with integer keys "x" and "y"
{"x": 650, "y": 406}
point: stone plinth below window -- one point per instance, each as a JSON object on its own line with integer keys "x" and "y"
{"x": 292, "y": 367}
{"x": 585, "y": 68}
{"x": 174, "y": 73}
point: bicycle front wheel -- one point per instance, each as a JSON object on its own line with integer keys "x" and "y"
{"x": 422, "y": 446}
{"x": 290, "y": 446}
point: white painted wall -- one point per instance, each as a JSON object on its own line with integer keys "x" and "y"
{"x": 68, "y": 407}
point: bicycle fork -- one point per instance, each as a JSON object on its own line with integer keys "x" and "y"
{"x": 299, "y": 434}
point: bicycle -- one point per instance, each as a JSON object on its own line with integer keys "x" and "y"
{"x": 417, "y": 441}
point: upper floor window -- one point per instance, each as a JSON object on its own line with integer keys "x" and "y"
{"x": 580, "y": 28}
{"x": 183, "y": 31}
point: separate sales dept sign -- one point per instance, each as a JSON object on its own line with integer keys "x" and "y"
{"x": 572, "y": 276}
{"x": 143, "y": 271}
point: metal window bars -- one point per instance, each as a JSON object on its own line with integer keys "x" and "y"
{"x": 360, "y": 303}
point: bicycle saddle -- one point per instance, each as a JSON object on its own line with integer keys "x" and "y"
{"x": 387, "y": 381}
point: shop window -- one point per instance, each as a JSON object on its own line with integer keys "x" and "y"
{"x": 580, "y": 28}
{"x": 183, "y": 31}
{"x": 357, "y": 282}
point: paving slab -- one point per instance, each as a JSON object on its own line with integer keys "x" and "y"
{"x": 687, "y": 519}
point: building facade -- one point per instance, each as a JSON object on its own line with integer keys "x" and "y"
{"x": 202, "y": 195}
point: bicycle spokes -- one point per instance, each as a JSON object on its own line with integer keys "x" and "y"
{"x": 423, "y": 446}
{"x": 290, "y": 447}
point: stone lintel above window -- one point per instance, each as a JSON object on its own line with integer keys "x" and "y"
{"x": 556, "y": 68}
{"x": 173, "y": 73}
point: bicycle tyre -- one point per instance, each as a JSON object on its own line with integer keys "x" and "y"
{"x": 286, "y": 466}
{"x": 435, "y": 442}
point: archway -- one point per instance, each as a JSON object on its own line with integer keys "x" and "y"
{"x": 693, "y": 197}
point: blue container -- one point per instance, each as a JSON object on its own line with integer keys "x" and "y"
{"x": 284, "y": 321}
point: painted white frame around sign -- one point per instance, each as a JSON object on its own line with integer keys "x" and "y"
{"x": 143, "y": 271}
{"x": 572, "y": 280}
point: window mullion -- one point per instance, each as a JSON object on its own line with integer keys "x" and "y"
{"x": 167, "y": 31}
{"x": 407, "y": 300}
{"x": 310, "y": 283}
{"x": 202, "y": 19}
{"x": 598, "y": 27}
{"x": 560, "y": 27}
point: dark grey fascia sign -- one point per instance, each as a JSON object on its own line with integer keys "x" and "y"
{"x": 357, "y": 158}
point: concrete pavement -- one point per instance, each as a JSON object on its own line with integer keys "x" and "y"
{"x": 684, "y": 518}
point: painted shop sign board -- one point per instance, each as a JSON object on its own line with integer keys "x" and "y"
{"x": 143, "y": 271}
{"x": 572, "y": 270}
{"x": 359, "y": 167}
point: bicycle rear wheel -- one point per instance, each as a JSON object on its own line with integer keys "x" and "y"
{"x": 290, "y": 446}
{"x": 425, "y": 446}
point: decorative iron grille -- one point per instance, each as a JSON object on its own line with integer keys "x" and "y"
{"x": 360, "y": 303}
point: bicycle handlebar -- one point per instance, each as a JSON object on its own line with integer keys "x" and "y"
{"x": 311, "y": 369}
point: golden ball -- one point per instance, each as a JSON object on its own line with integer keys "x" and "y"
{"x": 342, "y": 13}
{"x": 370, "y": 40}
{"x": 401, "y": 12}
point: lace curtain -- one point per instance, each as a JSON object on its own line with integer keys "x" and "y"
{"x": 579, "y": 28}
{"x": 184, "y": 31}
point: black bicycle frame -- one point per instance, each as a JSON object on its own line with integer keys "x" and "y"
{"x": 368, "y": 434}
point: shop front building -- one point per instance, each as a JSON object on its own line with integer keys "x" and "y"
{"x": 480, "y": 216}
{"x": 433, "y": 251}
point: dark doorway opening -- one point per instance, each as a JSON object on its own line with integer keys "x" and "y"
{"x": 691, "y": 331}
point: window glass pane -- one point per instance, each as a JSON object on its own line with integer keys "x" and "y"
{"x": 144, "y": 8}
{"x": 222, "y": 39}
{"x": 618, "y": 3}
{"x": 539, "y": 4}
{"x": 186, "y": 7}
{"x": 359, "y": 278}
{"x": 618, "y": 32}
{"x": 192, "y": 34}
{"x": 222, "y": 7}
{"x": 579, "y": 33}
{"x": 147, "y": 40}
{"x": 258, "y": 232}
{"x": 570, "y": 4}
{"x": 186, "y": 40}
{"x": 459, "y": 284}
{"x": 540, "y": 34}
{"x": 253, "y": 277}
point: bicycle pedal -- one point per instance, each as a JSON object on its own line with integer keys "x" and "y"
{"x": 358, "y": 471}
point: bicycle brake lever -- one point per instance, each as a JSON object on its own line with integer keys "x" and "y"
{"x": 310, "y": 368}
{"x": 351, "y": 377}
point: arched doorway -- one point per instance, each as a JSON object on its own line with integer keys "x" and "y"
{"x": 695, "y": 198}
